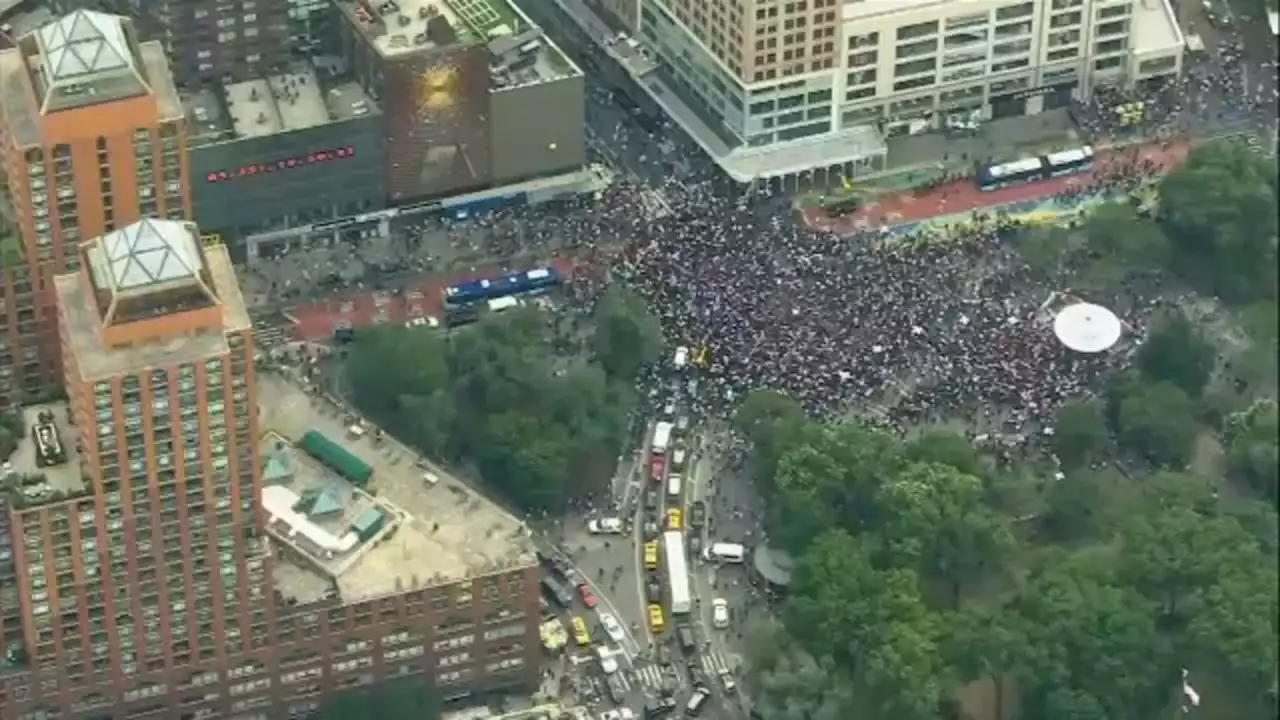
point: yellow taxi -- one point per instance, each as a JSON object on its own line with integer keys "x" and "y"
{"x": 651, "y": 555}
{"x": 657, "y": 622}
{"x": 581, "y": 634}
{"x": 674, "y": 519}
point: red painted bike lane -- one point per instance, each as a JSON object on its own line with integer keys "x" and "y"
{"x": 314, "y": 321}
{"x": 963, "y": 196}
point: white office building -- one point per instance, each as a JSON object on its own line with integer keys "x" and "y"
{"x": 787, "y": 86}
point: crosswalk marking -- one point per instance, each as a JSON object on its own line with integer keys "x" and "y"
{"x": 713, "y": 663}
{"x": 650, "y": 676}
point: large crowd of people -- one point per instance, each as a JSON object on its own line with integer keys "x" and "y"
{"x": 905, "y": 331}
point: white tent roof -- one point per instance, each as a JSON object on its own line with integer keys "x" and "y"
{"x": 83, "y": 43}
{"x": 1087, "y": 328}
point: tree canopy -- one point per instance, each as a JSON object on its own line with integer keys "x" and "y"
{"x": 912, "y": 578}
{"x": 513, "y": 395}
{"x": 1218, "y": 211}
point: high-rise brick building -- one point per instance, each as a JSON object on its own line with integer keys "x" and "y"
{"x": 92, "y": 138}
{"x": 169, "y": 557}
{"x": 217, "y": 39}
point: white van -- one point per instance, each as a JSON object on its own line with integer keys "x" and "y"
{"x": 682, "y": 357}
{"x": 725, "y": 553}
{"x": 674, "y": 484}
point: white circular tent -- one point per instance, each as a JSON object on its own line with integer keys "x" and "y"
{"x": 1087, "y": 328}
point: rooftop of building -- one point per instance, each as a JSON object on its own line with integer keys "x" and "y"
{"x": 526, "y": 58}
{"x": 432, "y": 533}
{"x": 21, "y": 17}
{"x": 45, "y": 467}
{"x": 1155, "y": 28}
{"x": 404, "y": 27}
{"x": 81, "y": 59}
{"x": 151, "y": 268}
{"x": 302, "y": 97}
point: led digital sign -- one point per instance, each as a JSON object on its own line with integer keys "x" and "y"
{"x": 289, "y": 163}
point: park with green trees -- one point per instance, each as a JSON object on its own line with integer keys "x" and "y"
{"x": 935, "y": 575}
{"x": 938, "y": 577}
{"x": 536, "y": 401}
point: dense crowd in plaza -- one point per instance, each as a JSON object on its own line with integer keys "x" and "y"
{"x": 918, "y": 330}
{"x": 911, "y": 330}
{"x": 1221, "y": 92}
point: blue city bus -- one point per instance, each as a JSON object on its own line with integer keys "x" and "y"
{"x": 999, "y": 175}
{"x": 1069, "y": 162}
{"x": 521, "y": 283}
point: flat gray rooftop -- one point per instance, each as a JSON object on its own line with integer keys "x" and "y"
{"x": 96, "y": 361}
{"x": 40, "y": 483}
{"x": 26, "y": 21}
{"x": 352, "y": 576}
{"x": 446, "y": 532}
{"x": 1155, "y": 28}
{"x": 528, "y": 58}
{"x": 276, "y": 103}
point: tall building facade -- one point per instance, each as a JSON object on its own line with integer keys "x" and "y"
{"x": 92, "y": 138}
{"x": 771, "y": 72}
{"x": 474, "y": 94}
{"x": 150, "y": 575}
{"x": 218, "y": 39}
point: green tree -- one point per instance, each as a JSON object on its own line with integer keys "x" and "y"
{"x": 984, "y": 644}
{"x": 1177, "y": 353}
{"x": 795, "y": 686}
{"x": 941, "y": 447}
{"x": 1158, "y": 421}
{"x": 538, "y": 425}
{"x": 933, "y": 518}
{"x": 829, "y": 479}
{"x": 1121, "y": 246}
{"x": 873, "y": 622}
{"x": 1253, "y": 456}
{"x": 1086, "y": 506}
{"x": 1080, "y": 433}
{"x": 772, "y": 422}
{"x": 1218, "y": 210}
{"x": 627, "y": 336}
{"x": 1093, "y": 648}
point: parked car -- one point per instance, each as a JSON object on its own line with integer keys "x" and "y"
{"x": 588, "y": 598}
{"x": 697, "y": 514}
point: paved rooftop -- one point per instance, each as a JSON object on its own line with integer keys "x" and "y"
{"x": 273, "y": 104}
{"x": 527, "y": 58}
{"x": 96, "y": 361}
{"x": 1155, "y": 28}
{"x": 55, "y": 480}
{"x": 442, "y": 533}
{"x": 276, "y": 104}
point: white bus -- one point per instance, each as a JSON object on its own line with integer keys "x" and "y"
{"x": 725, "y": 553}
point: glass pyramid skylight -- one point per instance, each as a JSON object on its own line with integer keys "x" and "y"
{"x": 84, "y": 43}
{"x": 150, "y": 252}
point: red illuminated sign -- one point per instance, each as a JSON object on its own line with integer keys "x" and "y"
{"x": 311, "y": 158}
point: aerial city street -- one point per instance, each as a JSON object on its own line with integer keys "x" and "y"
{"x": 639, "y": 359}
